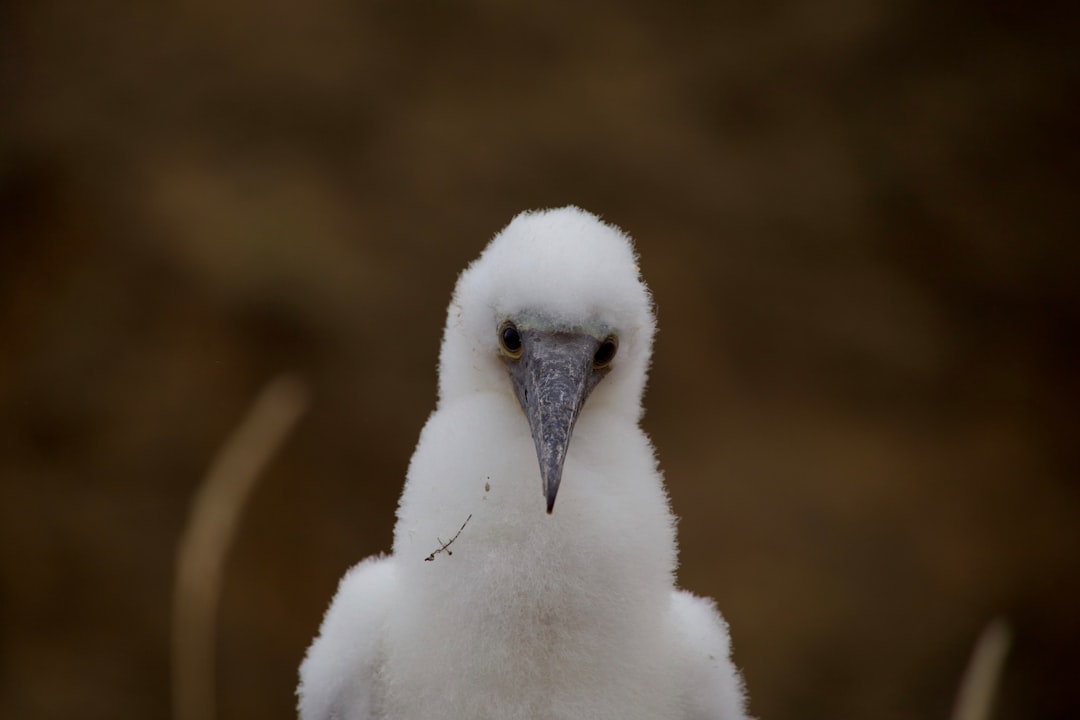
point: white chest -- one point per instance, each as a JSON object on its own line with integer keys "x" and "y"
{"x": 553, "y": 640}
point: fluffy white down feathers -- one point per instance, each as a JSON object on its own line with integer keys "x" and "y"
{"x": 527, "y": 614}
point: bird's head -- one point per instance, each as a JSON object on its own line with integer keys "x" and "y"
{"x": 552, "y": 313}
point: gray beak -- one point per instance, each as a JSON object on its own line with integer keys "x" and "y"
{"x": 552, "y": 378}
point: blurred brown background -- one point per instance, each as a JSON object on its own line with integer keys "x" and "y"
{"x": 858, "y": 220}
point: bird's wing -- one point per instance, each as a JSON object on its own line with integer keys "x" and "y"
{"x": 714, "y": 687}
{"x": 336, "y": 677}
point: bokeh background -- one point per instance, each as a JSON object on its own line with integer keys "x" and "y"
{"x": 858, "y": 219}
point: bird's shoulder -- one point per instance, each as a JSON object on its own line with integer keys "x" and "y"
{"x": 714, "y": 686}
{"x": 336, "y": 677}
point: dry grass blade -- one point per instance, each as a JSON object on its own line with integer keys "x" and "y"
{"x": 204, "y": 546}
{"x": 980, "y": 681}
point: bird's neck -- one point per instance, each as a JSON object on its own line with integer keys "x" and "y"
{"x": 473, "y": 533}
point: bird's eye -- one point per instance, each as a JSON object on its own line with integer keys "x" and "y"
{"x": 510, "y": 340}
{"x": 605, "y": 353}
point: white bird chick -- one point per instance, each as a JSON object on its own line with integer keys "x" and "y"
{"x": 490, "y": 607}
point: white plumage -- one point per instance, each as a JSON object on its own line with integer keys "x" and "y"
{"x": 492, "y": 604}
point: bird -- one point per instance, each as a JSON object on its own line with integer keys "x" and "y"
{"x": 495, "y": 601}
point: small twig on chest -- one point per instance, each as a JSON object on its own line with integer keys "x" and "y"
{"x": 445, "y": 546}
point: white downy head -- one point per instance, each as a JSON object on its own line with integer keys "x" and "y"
{"x": 567, "y": 267}
{"x": 553, "y": 312}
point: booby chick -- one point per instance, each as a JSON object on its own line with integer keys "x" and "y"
{"x": 496, "y": 603}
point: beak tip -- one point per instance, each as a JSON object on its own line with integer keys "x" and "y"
{"x": 551, "y": 491}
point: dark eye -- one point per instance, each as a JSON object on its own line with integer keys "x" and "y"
{"x": 510, "y": 339}
{"x": 605, "y": 353}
